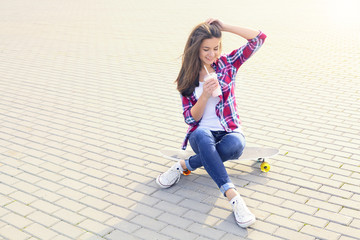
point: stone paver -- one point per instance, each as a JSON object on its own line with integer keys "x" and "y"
{"x": 87, "y": 100}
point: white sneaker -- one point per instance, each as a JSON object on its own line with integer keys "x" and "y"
{"x": 244, "y": 218}
{"x": 170, "y": 177}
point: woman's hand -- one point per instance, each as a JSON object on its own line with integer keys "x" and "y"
{"x": 217, "y": 22}
{"x": 247, "y": 33}
{"x": 209, "y": 87}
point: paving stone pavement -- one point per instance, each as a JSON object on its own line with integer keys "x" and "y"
{"x": 87, "y": 99}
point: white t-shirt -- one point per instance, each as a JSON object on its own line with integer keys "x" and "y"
{"x": 209, "y": 119}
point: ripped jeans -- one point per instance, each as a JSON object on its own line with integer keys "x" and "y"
{"x": 212, "y": 149}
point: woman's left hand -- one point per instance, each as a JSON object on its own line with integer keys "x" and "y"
{"x": 216, "y": 21}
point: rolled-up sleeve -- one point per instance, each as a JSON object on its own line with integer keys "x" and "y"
{"x": 187, "y": 105}
{"x": 240, "y": 55}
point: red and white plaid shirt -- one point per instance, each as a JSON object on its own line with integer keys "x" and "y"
{"x": 226, "y": 68}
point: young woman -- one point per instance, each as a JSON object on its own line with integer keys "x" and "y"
{"x": 214, "y": 126}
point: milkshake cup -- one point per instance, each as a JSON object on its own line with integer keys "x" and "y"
{"x": 217, "y": 91}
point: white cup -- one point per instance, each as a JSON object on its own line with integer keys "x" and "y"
{"x": 217, "y": 91}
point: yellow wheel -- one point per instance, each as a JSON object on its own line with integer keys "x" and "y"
{"x": 265, "y": 167}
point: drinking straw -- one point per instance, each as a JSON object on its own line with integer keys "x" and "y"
{"x": 206, "y": 70}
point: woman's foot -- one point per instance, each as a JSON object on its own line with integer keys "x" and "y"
{"x": 170, "y": 177}
{"x": 244, "y": 218}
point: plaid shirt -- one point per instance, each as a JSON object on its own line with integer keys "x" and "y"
{"x": 226, "y": 68}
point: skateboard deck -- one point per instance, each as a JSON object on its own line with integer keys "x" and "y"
{"x": 249, "y": 153}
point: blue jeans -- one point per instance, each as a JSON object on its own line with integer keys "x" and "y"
{"x": 212, "y": 149}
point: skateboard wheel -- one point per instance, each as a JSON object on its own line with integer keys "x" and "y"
{"x": 265, "y": 167}
{"x": 186, "y": 172}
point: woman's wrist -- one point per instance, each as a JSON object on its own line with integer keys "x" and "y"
{"x": 226, "y": 27}
{"x": 247, "y": 33}
{"x": 205, "y": 96}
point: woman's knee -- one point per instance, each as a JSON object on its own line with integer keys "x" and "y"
{"x": 232, "y": 146}
{"x": 238, "y": 147}
{"x": 201, "y": 138}
{"x": 199, "y": 134}
{"x": 237, "y": 153}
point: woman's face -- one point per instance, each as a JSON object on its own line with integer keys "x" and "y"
{"x": 209, "y": 50}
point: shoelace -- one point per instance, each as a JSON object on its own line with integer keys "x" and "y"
{"x": 172, "y": 174}
{"x": 240, "y": 209}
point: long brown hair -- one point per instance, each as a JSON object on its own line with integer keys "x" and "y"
{"x": 188, "y": 77}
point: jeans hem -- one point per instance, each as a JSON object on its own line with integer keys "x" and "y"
{"x": 226, "y": 187}
{"x": 188, "y": 165}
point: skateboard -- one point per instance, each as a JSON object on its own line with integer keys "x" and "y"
{"x": 249, "y": 153}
